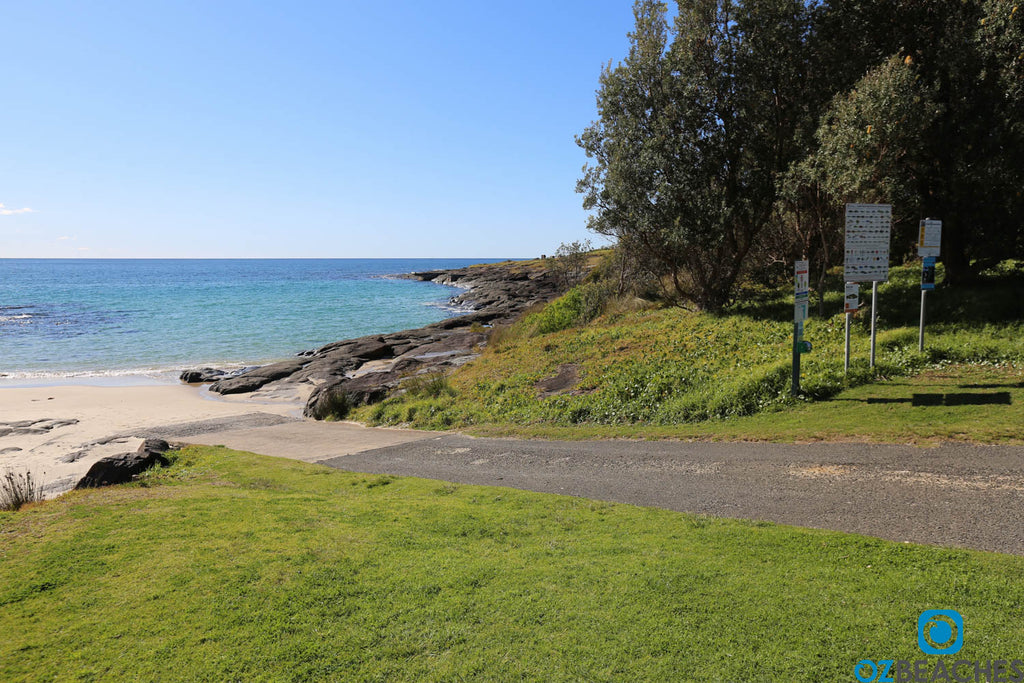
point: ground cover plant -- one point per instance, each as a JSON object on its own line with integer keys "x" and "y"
{"x": 18, "y": 489}
{"x": 232, "y": 566}
{"x": 667, "y": 366}
{"x": 977, "y": 403}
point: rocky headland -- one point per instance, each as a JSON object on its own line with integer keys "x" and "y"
{"x": 365, "y": 370}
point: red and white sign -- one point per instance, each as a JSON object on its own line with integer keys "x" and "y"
{"x": 852, "y": 300}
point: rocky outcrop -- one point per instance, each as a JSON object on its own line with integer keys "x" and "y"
{"x": 200, "y": 375}
{"x": 119, "y": 469}
{"x": 258, "y": 377}
{"x": 204, "y": 375}
{"x": 354, "y": 372}
{"x": 40, "y": 426}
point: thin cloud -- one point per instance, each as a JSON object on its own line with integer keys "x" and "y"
{"x": 4, "y": 211}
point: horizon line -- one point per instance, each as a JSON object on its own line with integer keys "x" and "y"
{"x": 260, "y": 258}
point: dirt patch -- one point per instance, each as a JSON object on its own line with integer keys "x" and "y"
{"x": 563, "y": 382}
{"x": 819, "y": 471}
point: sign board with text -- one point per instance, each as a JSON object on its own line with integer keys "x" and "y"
{"x": 868, "y": 227}
{"x": 929, "y": 237}
{"x": 851, "y": 302}
{"x": 928, "y": 273}
{"x": 801, "y": 291}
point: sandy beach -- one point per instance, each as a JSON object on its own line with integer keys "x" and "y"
{"x": 58, "y": 432}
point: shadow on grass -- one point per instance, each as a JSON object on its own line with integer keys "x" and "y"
{"x": 952, "y": 399}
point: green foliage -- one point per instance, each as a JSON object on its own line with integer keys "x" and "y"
{"x": 728, "y": 140}
{"x": 871, "y": 146}
{"x": 1001, "y": 38}
{"x": 578, "y": 306}
{"x": 570, "y": 261}
{"x": 670, "y": 367}
{"x": 429, "y": 385}
{"x": 272, "y": 569}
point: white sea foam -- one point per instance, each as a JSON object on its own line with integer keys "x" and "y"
{"x": 116, "y": 377}
{"x": 448, "y": 307}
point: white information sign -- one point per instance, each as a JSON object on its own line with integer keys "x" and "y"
{"x": 868, "y": 227}
{"x": 800, "y": 300}
{"x": 930, "y": 238}
{"x": 852, "y": 300}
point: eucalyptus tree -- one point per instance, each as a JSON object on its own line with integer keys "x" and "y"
{"x": 695, "y": 128}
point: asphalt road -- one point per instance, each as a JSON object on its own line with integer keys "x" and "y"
{"x": 953, "y": 495}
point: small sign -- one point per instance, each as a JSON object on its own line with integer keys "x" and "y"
{"x": 929, "y": 237}
{"x": 852, "y": 300}
{"x": 801, "y": 291}
{"x": 800, "y": 311}
{"x": 868, "y": 227}
{"x": 802, "y": 272}
{"x": 928, "y": 273}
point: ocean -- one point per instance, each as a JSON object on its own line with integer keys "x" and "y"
{"x": 146, "y": 320}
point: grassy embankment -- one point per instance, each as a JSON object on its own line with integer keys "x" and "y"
{"x": 231, "y": 566}
{"x": 672, "y": 373}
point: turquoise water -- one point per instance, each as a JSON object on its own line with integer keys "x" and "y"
{"x": 122, "y": 318}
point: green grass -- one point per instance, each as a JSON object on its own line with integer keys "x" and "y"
{"x": 232, "y": 566}
{"x": 661, "y": 372}
{"x": 973, "y": 403}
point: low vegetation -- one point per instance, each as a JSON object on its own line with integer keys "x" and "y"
{"x": 18, "y": 489}
{"x": 639, "y": 366}
{"x": 232, "y": 566}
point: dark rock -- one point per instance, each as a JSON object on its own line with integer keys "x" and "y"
{"x": 200, "y": 375}
{"x": 258, "y": 377}
{"x": 327, "y": 399}
{"x": 370, "y": 349}
{"x": 118, "y": 469}
{"x": 464, "y": 342}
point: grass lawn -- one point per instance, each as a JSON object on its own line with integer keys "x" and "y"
{"x": 232, "y": 566}
{"x": 974, "y": 403}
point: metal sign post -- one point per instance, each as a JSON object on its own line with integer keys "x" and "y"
{"x": 868, "y": 227}
{"x": 874, "y": 318}
{"x": 928, "y": 244}
{"x": 800, "y": 303}
{"x": 851, "y": 302}
{"x": 927, "y": 283}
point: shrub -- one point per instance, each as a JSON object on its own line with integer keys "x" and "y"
{"x": 429, "y": 385}
{"x": 336, "y": 405}
{"x": 578, "y": 306}
{"x": 17, "y": 489}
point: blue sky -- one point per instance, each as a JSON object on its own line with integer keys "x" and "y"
{"x": 336, "y": 129}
